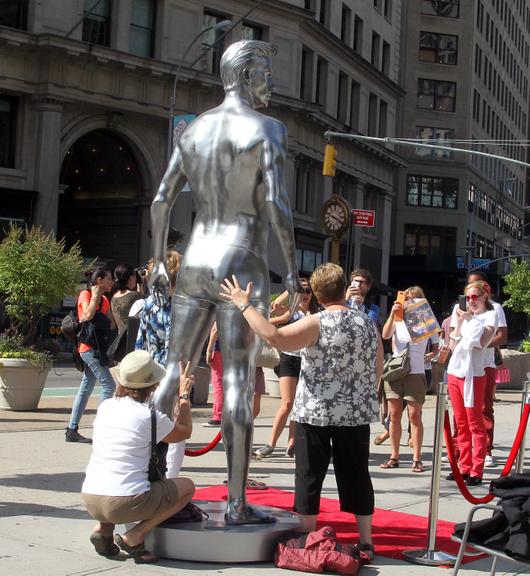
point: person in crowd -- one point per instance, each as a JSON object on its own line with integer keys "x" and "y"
{"x": 289, "y": 372}
{"x": 466, "y": 379}
{"x": 336, "y": 400}
{"x": 499, "y": 339}
{"x": 439, "y": 361}
{"x": 116, "y": 489}
{"x": 412, "y": 388}
{"x": 153, "y": 336}
{"x": 361, "y": 283}
{"x": 125, "y": 295}
{"x": 215, "y": 362}
{"x": 94, "y": 313}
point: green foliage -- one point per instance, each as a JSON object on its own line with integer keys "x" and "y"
{"x": 13, "y": 347}
{"x": 517, "y": 284}
{"x": 36, "y": 273}
{"x": 525, "y": 345}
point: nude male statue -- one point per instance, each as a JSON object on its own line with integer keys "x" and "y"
{"x": 233, "y": 159}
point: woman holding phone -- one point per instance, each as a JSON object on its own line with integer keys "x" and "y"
{"x": 466, "y": 379}
{"x": 413, "y": 387}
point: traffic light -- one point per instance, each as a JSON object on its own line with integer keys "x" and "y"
{"x": 330, "y": 160}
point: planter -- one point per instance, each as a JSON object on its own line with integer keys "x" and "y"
{"x": 272, "y": 383}
{"x": 201, "y": 388}
{"x": 519, "y": 365}
{"x": 21, "y": 384}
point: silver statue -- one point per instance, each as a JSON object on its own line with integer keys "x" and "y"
{"x": 233, "y": 159}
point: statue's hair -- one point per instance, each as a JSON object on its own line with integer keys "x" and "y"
{"x": 239, "y": 56}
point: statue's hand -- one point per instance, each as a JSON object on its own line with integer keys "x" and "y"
{"x": 296, "y": 290}
{"x": 159, "y": 284}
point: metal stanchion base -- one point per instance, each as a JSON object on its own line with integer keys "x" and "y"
{"x": 429, "y": 557}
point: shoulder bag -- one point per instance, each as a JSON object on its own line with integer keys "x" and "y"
{"x": 269, "y": 357}
{"x": 157, "y": 461}
{"x": 397, "y": 367}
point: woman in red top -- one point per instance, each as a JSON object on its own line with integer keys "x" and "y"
{"x": 91, "y": 304}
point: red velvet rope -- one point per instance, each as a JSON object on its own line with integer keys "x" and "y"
{"x": 507, "y": 467}
{"x": 205, "y": 449}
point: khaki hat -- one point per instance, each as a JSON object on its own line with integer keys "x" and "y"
{"x": 139, "y": 370}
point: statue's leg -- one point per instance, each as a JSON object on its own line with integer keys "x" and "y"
{"x": 191, "y": 321}
{"x": 239, "y": 349}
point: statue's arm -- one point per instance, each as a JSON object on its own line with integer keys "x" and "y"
{"x": 169, "y": 189}
{"x": 280, "y": 217}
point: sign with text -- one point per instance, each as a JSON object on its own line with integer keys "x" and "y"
{"x": 180, "y": 123}
{"x": 363, "y": 217}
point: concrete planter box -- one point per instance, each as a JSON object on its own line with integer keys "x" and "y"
{"x": 272, "y": 386}
{"x": 21, "y": 384}
{"x": 519, "y": 365}
{"x": 201, "y": 386}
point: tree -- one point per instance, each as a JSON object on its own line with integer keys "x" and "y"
{"x": 517, "y": 285}
{"x": 36, "y": 273}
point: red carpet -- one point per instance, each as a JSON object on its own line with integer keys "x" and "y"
{"x": 393, "y": 532}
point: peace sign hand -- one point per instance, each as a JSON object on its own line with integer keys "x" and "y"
{"x": 233, "y": 292}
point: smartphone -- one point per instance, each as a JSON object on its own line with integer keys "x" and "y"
{"x": 462, "y": 302}
{"x": 398, "y": 316}
{"x": 354, "y": 284}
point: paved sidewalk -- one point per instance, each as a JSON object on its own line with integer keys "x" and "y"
{"x": 44, "y": 528}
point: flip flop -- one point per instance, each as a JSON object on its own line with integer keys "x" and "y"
{"x": 104, "y": 545}
{"x": 136, "y": 552}
{"x": 252, "y": 484}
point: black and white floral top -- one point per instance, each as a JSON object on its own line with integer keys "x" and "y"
{"x": 337, "y": 377}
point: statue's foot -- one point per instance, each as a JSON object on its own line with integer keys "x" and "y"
{"x": 250, "y": 515}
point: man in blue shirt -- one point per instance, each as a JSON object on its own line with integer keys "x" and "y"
{"x": 361, "y": 282}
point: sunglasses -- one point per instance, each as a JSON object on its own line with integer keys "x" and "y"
{"x": 473, "y": 297}
{"x": 306, "y": 290}
{"x": 361, "y": 281}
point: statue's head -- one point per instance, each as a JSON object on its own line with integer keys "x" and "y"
{"x": 246, "y": 67}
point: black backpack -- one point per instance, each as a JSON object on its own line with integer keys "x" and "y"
{"x": 70, "y": 326}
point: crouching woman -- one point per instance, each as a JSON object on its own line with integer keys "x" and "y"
{"x": 116, "y": 489}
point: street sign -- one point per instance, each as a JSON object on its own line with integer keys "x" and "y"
{"x": 180, "y": 123}
{"x": 363, "y": 217}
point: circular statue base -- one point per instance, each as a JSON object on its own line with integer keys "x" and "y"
{"x": 212, "y": 540}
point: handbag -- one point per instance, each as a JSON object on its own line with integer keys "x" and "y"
{"x": 397, "y": 367}
{"x": 502, "y": 375}
{"x": 118, "y": 347}
{"x": 269, "y": 357}
{"x": 157, "y": 461}
{"x": 190, "y": 513}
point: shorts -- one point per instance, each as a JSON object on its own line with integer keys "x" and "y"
{"x": 411, "y": 388}
{"x": 125, "y": 509}
{"x": 259, "y": 386}
{"x": 289, "y": 366}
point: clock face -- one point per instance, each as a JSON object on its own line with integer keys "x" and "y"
{"x": 335, "y": 214}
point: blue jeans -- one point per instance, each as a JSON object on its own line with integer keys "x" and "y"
{"x": 93, "y": 371}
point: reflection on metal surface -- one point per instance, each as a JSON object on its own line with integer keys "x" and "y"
{"x": 233, "y": 158}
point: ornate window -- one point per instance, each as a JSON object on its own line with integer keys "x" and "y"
{"x": 445, "y": 8}
{"x": 436, "y": 95}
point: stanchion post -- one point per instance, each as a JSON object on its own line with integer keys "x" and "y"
{"x": 430, "y": 556}
{"x": 519, "y": 464}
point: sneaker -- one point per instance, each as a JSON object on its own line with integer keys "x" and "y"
{"x": 490, "y": 461}
{"x": 72, "y": 435}
{"x": 445, "y": 459}
{"x": 264, "y": 451}
{"x": 290, "y": 451}
{"x": 212, "y": 424}
{"x": 473, "y": 481}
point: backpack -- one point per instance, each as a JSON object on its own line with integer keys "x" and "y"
{"x": 70, "y": 326}
{"x": 317, "y": 552}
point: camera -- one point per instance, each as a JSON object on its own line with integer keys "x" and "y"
{"x": 142, "y": 272}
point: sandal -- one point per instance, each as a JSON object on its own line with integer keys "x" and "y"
{"x": 138, "y": 552}
{"x": 252, "y": 484}
{"x": 417, "y": 466}
{"x": 104, "y": 545}
{"x": 383, "y": 437}
{"x": 366, "y": 553}
{"x": 390, "y": 463}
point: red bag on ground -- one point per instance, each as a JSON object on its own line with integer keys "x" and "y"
{"x": 317, "y": 552}
{"x": 502, "y": 375}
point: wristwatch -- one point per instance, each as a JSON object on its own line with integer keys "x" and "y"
{"x": 185, "y": 396}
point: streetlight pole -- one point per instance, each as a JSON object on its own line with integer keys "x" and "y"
{"x": 223, "y": 25}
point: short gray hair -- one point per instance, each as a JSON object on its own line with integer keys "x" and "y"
{"x": 239, "y": 56}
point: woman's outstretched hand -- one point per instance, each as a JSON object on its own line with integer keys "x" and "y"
{"x": 232, "y": 291}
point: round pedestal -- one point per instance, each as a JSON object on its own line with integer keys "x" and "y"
{"x": 212, "y": 540}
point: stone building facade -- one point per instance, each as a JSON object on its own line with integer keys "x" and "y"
{"x": 466, "y": 72}
{"x": 84, "y": 112}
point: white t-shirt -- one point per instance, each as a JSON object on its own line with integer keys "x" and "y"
{"x": 466, "y": 352}
{"x": 121, "y": 448}
{"x": 489, "y": 353}
{"x": 416, "y": 350}
{"x": 137, "y": 307}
